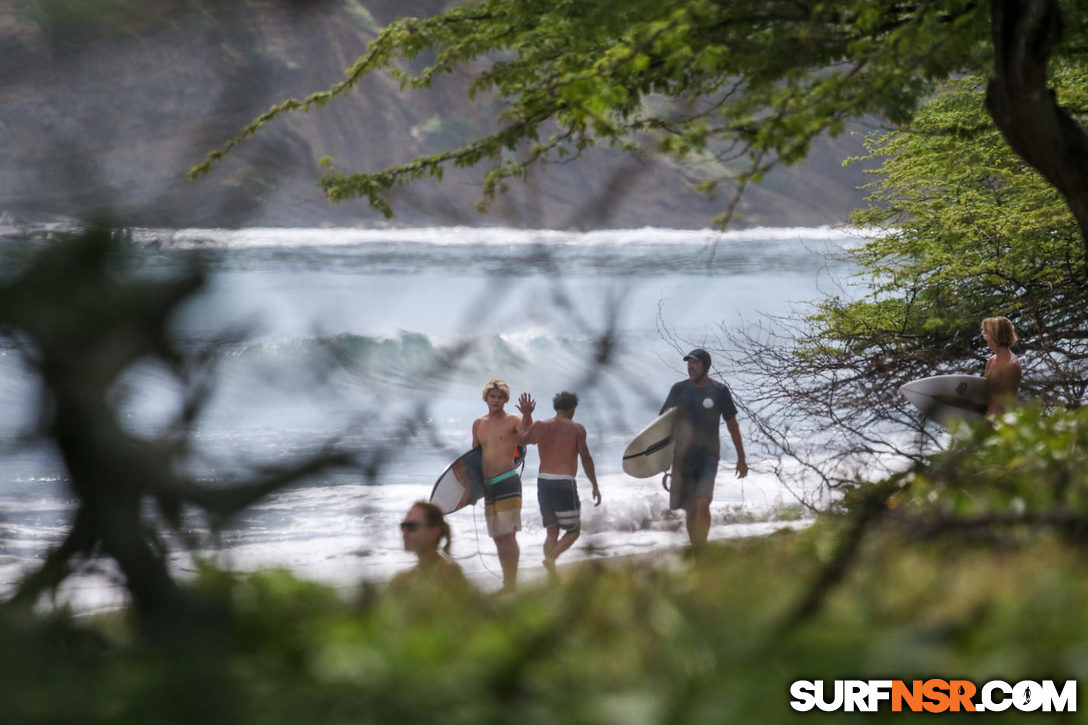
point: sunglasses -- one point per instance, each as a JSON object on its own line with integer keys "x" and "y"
{"x": 410, "y": 526}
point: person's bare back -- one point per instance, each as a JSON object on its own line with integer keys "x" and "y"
{"x": 1002, "y": 381}
{"x": 559, "y": 441}
{"x": 1003, "y": 374}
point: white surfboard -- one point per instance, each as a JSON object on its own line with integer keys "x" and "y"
{"x": 461, "y": 484}
{"x": 944, "y": 397}
{"x": 650, "y": 453}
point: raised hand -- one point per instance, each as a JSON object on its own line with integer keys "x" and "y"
{"x": 526, "y": 404}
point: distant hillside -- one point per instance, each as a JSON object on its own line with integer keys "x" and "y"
{"x": 110, "y": 107}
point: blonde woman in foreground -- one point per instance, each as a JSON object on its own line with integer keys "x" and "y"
{"x": 1003, "y": 368}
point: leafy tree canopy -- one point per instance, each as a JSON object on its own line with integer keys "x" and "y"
{"x": 963, "y": 229}
{"x": 751, "y": 83}
{"x": 959, "y": 228}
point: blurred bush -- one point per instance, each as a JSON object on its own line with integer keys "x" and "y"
{"x": 923, "y": 595}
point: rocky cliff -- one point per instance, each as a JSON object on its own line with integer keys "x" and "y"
{"x": 110, "y": 109}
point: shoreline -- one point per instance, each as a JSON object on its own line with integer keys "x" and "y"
{"x": 670, "y": 557}
{"x": 96, "y": 594}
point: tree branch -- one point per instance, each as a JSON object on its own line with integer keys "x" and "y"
{"x": 1026, "y": 109}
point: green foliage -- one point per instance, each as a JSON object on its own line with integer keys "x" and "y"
{"x": 958, "y": 212}
{"x": 751, "y": 84}
{"x": 972, "y": 568}
{"x": 1028, "y": 468}
{"x": 928, "y": 594}
{"x": 960, "y": 229}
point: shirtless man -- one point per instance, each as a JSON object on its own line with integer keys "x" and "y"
{"x": 497, "y": 434}
{"x": 561, "y": 442}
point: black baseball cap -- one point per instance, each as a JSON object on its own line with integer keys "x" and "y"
{"x": 699, "y": 354}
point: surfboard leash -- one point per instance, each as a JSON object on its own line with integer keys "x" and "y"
{"x": 479, "y": 551}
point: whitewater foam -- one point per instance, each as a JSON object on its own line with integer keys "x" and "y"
{"x": 264, "y": 237}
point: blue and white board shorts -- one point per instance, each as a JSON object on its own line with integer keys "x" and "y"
{"x": 559, "y": 503}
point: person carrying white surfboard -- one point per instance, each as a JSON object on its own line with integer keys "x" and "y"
{"x": 497, "y": 435}
{"x": 1003, "y": 368}
{"x": 561, "y": 443}
{"x": 701, "y": 405}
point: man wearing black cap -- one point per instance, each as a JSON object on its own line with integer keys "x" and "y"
{"x": 700, "y": 401}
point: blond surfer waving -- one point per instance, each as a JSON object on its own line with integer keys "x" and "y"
{"x": 497, "y": 435}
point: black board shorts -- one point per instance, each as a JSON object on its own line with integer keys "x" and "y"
{"x": 559, "y": 503}
{"x": 693, "y": 477}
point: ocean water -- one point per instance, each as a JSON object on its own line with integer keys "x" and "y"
{"x": 381, "y": 340}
